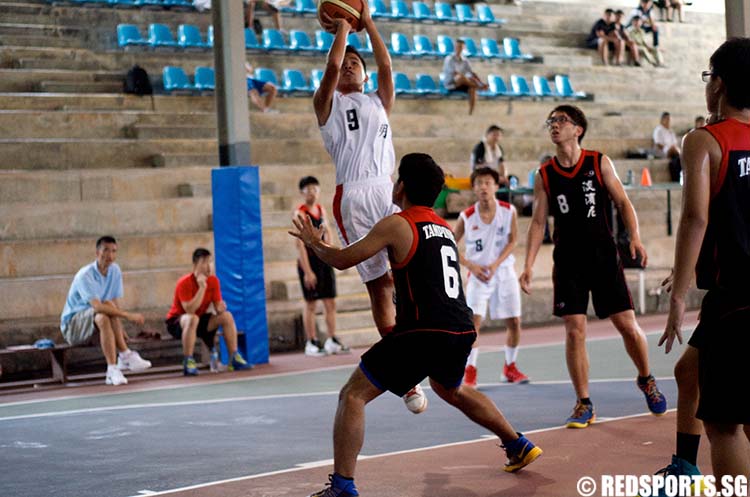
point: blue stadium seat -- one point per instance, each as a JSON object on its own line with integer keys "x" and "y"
{"x": 266, "y": 75}
{"x": 210, "y": 36}
{"x": 542, "y": 88}
{"x": 368, "y": 44}
{"x": 496, "y": 89}
{"x": 371, "y": 85}
{"x": 353, "y": 40}
{"x": 565, "y": 88}
{"x": 425, "y": 85}
{"x": 205, "y": 79}
{"x": 189, "y": 36}
{"x": 520, "y": 87}
{"x": 128, "y": 35}
{"x": 421, "y": 12}
{"x": 273, "y": 40}
{"x": 513, "y": 50}
{"x": 175, "y": 79}
{"x": 300, "y": 42}
{"x": 486, "y": 17}
{"x": 378, "y": 9}
{"x": 490, "y": 49}
{"x": 400, "y": 45}
{"x": 445, "y": 45}
{"x": 465, "y": 15}
{"x": 180, "y": 4}
{"x": 124, "y": 3}
{"x": 456, "y": 95}
{"x": 444, "y": 13}
{"x": 400, "y": 11}
{"x": 251, "y": 41}
{"x": 294, "y": 83}
{"x": 306, "y": 8}
{"x": 402, "y": 84}
{"x": 423, "y": 47}
{"x": 316, "y": 76}
{"x": 323, "y": 40}
{"x": 470, "y": 48}
{"x": 159, "y": 35}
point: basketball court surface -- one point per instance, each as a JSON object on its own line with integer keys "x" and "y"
{"x": 267, "y": 432}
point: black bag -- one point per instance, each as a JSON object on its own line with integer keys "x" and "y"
{"x": 137, "y": 82}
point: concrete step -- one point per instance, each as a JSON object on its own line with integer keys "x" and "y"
{"x": 351, "y": 320}
{"x": 68, "y": 219}
{"x": 31, "y": 258}
{"x": 80, "y": 87}
{"x": 50, "y": 63}
{"x": 290, "y": 289}
{"x": 25, "y": 101}
{"x": 24, "y": 80}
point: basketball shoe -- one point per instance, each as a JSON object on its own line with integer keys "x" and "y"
{"x": 680, "y": 467}
{"x": 314, "y": 349}
{"x": 337, "y": 487}
{"x": 655, "y": 400}
{"x": 511, "y": 374}
{"x": 583, "y": 415}
{"x": 520, "y": 452}
{"x": 334, "y": 346}
{"x": 132, "y": 360}
{"x": 415, "y": 400}
{"x": 470, "y": 376}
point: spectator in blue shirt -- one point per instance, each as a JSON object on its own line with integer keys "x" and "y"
{"x": 93, "y": 304}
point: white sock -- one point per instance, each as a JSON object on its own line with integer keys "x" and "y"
{"x": 111, "y": 367}
{"x": 124, "y": 353}
{"x": 511, "y": 353}
{"x": 472, "y": 361}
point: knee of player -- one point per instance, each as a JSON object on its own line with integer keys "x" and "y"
{"x": 102, "y": 320}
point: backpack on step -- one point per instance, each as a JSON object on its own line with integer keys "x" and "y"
{"x": 137, "y": 82}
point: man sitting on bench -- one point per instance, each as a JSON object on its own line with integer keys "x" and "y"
{"x": 198, "y": 310}
{"x": 93, "y": 305}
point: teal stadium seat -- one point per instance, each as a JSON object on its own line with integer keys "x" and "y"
{"x": 445, "y": 45}
{"x": 400, "y": 45}
{"x": 178, "y": 4}
{"x": 372, "y": 82}
{"x": 159, "y": 36}
{"x": 294, "y": 83}
{"x": 400, "y": 11}
{"x": 486, "y": 17}
{"x": 470, "y": 48}
{"x": 210, "y": 36}
{"x": 205, "y": 79}
{"x": 424, "y": 85}
{"x": 378, "y": 9}
{"x": 565, "y": 88}
{"x": 465, "y": 15}
{"x": 251, "y": 41}
{"x": 124, "y": 4}
{"x": 300, "y": 42}
{"x": 273, "y": 40}
{"x": 542, "y": 88}
{"x": 189, "y": 36}
{"x": 520, "y": 87}
{"x": 128, "y": 35}
{"x": 267, "y": 75}
{"x": 490, "y": 49}
{"x": 316, "y": 76}
{"x": 497, "y": 86}
{"x": 402, "y": 84}
{"x": 444, "y": 13}
{"x": 421, "y": 12}
{"x": 175, "y": 79}
{"x": 323, "y": 40}
{"x": 513, "y": 50}
{"x": 423, "y": 46}
{"x": 305, "y": 8}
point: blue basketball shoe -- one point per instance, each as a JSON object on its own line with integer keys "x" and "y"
{"x": 680, "y": 467}
{"x": 337, "y": 487}
{"x": 655, "y": 400}
{"x": 521, "y": 452}
{"x": 583, "y": 415}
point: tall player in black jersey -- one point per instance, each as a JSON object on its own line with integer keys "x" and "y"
{"x": 434, "y": 330}
{"x": 713, "y": 240}
{"x": 575, "y": 187}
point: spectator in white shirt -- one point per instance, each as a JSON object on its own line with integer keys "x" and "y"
{"x": 666, "y": 145}
{"x": 458, "y": 75}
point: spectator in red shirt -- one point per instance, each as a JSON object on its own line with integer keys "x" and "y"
{"x": 198, "y": 311}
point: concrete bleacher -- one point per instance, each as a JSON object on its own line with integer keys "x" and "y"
{"x": 79, "y": 159}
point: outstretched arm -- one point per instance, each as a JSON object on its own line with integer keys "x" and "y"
{"x": 323, "y": 98}
{"x": 382, "y": 60}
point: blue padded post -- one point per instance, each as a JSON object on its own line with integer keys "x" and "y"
{"x": 239, "y": 254}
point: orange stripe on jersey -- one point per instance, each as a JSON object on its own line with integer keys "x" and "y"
{"x": 337, "y": 211}
{"x": 570, "y": 172}
{"x": 716, "y": 187}
{"x": 468, "y": 212}
{"x": 506, "y": 205}
{"x": 303, "y": 208}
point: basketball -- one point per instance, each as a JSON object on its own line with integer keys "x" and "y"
{"x": 346, "y": 9}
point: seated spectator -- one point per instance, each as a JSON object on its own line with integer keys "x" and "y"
{"x": 271, "y": 6}
{"x": 630, "y": 46}
{"x": 458, "y": 75}
{"x": 256, "y": 88}
{"x": 197, "y": 312}
{"x": 667, "y": 8}
{"x": 644, "y": 11}
{"x": 638, "y": 35}
{"x": 93, "y": 305}
{"x": 315, "y": 276}
{"x": 604, "y": 38}
{"x": 700, "y": 122}
{"x": 666, "y": 145}
{"x": 489, "y": 153}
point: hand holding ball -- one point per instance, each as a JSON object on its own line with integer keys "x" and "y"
{"x": 348, "y": 10}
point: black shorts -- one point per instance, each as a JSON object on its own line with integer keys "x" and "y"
{"x": 326, "y": 286}
{"x": 399, "y": 361}
{"x": 722, "y": 338}
{"x": 174, "y": 329}
{"x": 599, "y": 272}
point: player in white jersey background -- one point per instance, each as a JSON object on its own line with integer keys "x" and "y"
{"x": 357, "y": 134}
{"x": 491, "y": 231}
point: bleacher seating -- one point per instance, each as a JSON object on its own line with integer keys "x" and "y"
{"x": 189, "y": 36}
{"x": 294, "y": 83}
{"x": 400, "y": 45}
{"x": 542, "y": 88}
{"x": 273, "y": 40}
{"x": 175, "y": 79}
{"x": 496, "y": 88}
{"x": 128, "y": 35}
{"x": 160, "y": 36}
{"x": 205, "y": 79}
{"x": 300, "y": 42}
{"x": 520, "y": 87}
{"x": 513, "y": 50}
{"x": 565, "y": 88}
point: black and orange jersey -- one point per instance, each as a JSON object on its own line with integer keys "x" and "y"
{"x": 724, "y": 260}
{"x": 578, "y": 200}
{"x": 316, "y": 221}
{"x": 429, "y": 292}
